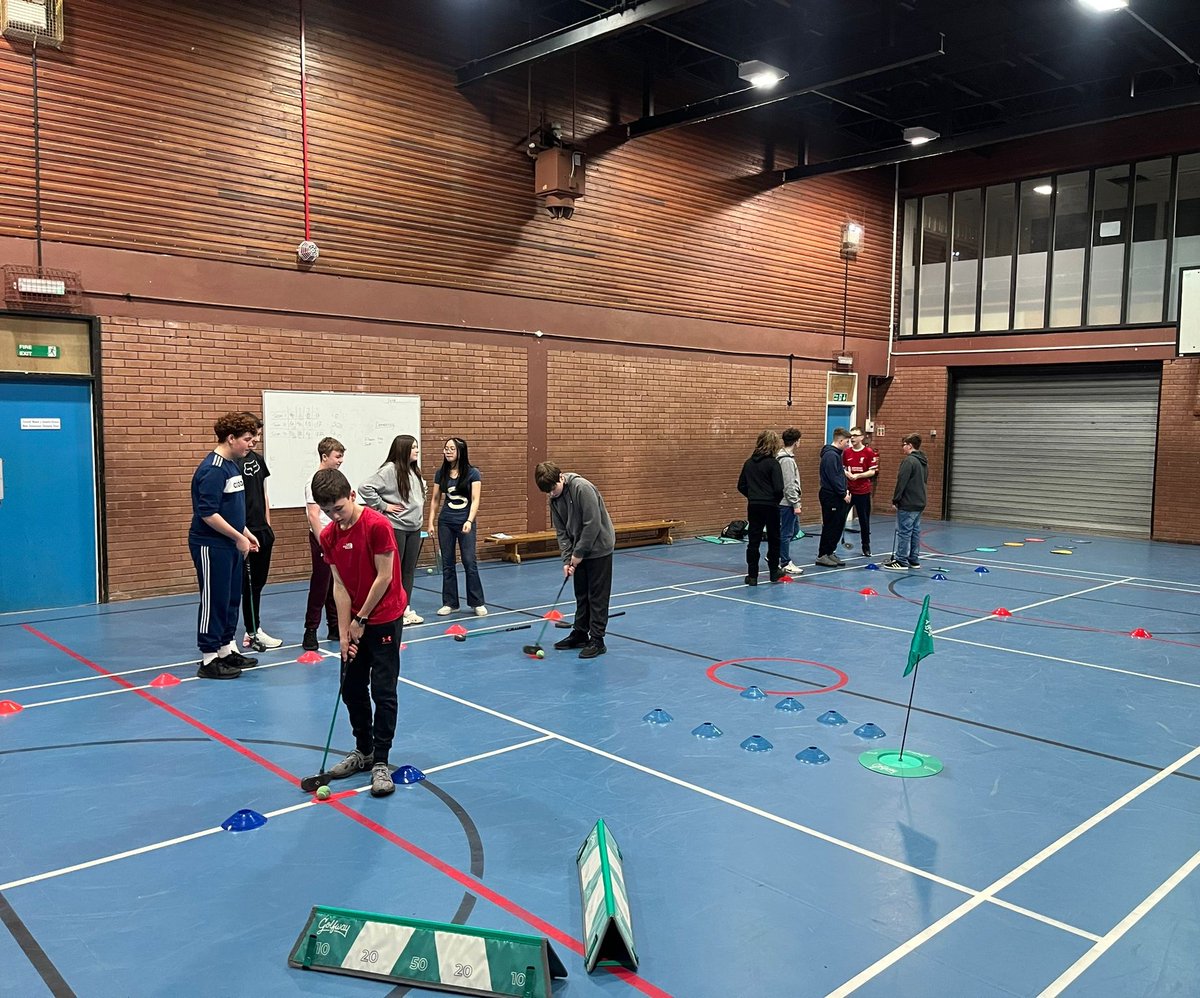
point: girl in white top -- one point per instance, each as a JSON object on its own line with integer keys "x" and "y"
{"x": 397, "y": 490}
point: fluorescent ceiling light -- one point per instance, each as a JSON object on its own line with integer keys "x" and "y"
{"x": 1045, "y": 189}
{"x": 918, "y": 135}
{"x": 1104, "y": 6}
{"x": 761, "y": 74}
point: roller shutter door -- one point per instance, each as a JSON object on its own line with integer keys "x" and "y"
{"x": 1062, "y": 450}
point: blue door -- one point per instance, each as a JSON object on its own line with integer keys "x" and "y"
{"x": 48, "y": 495}
{"x": 835, "y": 416}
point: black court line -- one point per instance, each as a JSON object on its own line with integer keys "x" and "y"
{"x": 33, "y": 952}
{"x": 971, "y": 723}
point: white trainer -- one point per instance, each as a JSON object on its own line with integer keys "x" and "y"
{"x": 412, "y": 617}
{"x": 445, "y": 611}
{"x": 791, "y": 568}
{"x": 267, "y": 641}
{"x": 481, "y": 611}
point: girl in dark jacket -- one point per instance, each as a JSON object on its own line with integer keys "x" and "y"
{"x": 761, "y": 482}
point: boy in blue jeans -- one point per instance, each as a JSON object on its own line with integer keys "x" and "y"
{"x": 908, "y": 500}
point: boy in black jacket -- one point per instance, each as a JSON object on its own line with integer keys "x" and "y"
{"x": 761, "y": 482}
{"x": 835, "y": 498}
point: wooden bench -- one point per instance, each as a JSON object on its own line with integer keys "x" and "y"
{"x": 545, "y": 542}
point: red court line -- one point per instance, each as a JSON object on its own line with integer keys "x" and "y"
{"x": 475, "y": 886}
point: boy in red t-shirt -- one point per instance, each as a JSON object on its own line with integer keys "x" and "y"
{"x": 360, "y": 548}
{"x": 862, "y": 465}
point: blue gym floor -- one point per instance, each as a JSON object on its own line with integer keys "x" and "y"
{"x": 1057, "y": 851}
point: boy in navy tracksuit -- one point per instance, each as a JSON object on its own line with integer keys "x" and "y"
{"x": 219, "y": 542}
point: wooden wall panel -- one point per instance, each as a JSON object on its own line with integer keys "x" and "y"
{"x": 174, "y": 126}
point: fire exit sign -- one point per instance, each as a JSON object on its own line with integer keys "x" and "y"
{"x": 44, "y": 350}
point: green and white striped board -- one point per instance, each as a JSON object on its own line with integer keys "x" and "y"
{"x": 457, "y": 958}
{"x": 607, "y": 927}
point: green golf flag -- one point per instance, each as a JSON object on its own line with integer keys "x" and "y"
{"x": 922, "y": 642}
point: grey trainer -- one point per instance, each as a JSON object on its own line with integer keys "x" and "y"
{"x": 381, "y": 780}
{"x": 355, "y": 762}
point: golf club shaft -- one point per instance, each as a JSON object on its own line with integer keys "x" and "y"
{"x": 566, "y": 624}
{"x": 542, "y": 632}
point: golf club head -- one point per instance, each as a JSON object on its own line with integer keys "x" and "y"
{"x": 532, "y": 649}
{"x": 310, "y": 783}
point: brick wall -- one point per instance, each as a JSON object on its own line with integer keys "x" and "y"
{"x": 668, "y": 436}
{"x": 1176, "y": 496}
{"x": 913, "y": 402}
{"x": 165, "y": 382}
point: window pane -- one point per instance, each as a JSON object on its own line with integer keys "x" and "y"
{"x": 1186, "y": 251}
{"x": 1070, "y": 245}
{"x": 1033, "y": 242}
{"x": 964, "y": 261}
{"x": 1148, "y": 259}
{"x": 999, "y": 234}
{"x": 1109, "y": 230}
{"x": 931, "y": 311}
{"x": 908, "y": 266}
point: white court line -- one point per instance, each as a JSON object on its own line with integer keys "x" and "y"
{"x": 1068, "y": 976}
{"x": 408, "y": 629}
{"x": 1030, "y": 606}
{"x": 741, "y": 805}
{"x": 1083, "y": 573}
{"x": 903, "y": 950}
{"x": 148, "y": 686}
{"x": 717, "y": 595}
{"x": 155, "y": 846}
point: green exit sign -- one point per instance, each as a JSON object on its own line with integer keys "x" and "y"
{"x": 47, "y": 350}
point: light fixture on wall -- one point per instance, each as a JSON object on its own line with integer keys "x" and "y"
{"x": 852, "y": 237}
{"x": 1044, "y": 189}
{"x": 1104, "y": 6}
{"x": 761, "y": 74}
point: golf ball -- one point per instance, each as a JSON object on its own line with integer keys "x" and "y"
{"x": 539, "y": 654}
{"x": 323, "y": 793}
{"x": 429, "y": 571}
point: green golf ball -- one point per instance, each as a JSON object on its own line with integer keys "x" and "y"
{"x": 323, "y": 793}
{"x": 540, "y": 654}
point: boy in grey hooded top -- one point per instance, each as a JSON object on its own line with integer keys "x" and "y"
{"x": 586, "y": 539}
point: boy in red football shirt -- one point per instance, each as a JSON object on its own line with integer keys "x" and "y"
{"x": 862, "y": 465}
{"x": 360, "y": 548}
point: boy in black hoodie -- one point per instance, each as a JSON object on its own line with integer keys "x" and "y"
{"x": 761, "y": 482}
{"x": 908, "y": 500}
{"x": 835, "y": 498}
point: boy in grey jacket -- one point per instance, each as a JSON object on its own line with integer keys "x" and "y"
{"x": 586, "y": 539}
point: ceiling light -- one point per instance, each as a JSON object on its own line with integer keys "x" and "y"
{"x": 1104, "y": 6}
{"x": 1044, "y": 189}
{"x": 761, "y": 74}
{"x": 918, "y": 135}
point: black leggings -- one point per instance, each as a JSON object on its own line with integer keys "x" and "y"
{"x": 762, "y": 515}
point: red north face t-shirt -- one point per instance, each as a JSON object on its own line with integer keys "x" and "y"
{"x": 352, "y": 552}
{"x": 859, "y": 461}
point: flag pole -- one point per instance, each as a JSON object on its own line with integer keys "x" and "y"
{"x": 908, "y": 712}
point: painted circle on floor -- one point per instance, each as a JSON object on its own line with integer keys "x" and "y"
{"x": 842, "y": 678}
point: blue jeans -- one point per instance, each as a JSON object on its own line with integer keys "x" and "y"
{"x": 448, "y": 534}
{"x": 908, "y": 537}
{"x": 787, "y": 530}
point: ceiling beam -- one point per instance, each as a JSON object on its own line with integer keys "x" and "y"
{"x": 1041, "y": 124}
{"x": 820, "y": 78}
{"x": 606, "y": 25}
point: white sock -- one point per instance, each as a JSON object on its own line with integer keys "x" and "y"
{"x": 209, "y": 656}
{"x": 229, "y": 649}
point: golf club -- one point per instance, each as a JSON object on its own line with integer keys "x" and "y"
{"x": 248, "y": 582}
{"x": 567, "y": 624}
{"x": 310, "y": 783}
{"x": 481, "y": 631}
{"x": 536, "y": 647}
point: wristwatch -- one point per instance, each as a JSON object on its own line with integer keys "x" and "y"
{"x": 361, "y": 621}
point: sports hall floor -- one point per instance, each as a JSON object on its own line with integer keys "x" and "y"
{"x": 1056, "y": 853}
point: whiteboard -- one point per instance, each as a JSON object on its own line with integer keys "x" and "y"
{"x": 1189, "y": 312}
{"x": 294, "y": 423}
